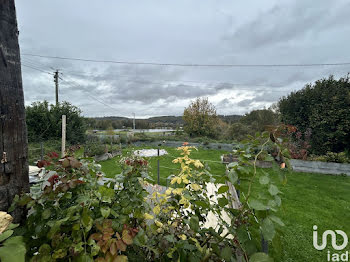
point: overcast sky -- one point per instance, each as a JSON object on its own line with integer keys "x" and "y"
{"x": 181, "y": 31}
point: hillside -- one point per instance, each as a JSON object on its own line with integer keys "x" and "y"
{"x": 152, "y": 122}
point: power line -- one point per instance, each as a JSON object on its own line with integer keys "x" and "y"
{"x": 35, "y": 63}
{"x": 34, "y": 68}
{"x": 189, "y": 65}
{"x": 94, "y": 98}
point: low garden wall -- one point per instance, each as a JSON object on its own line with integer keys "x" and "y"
{"x": 218, "y": 146}
{"x": 320, "y": 167}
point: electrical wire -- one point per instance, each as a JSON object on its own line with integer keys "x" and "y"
{"x": 34, "y": 68}
{"x": 187, "y": 65}
{"x": 94, "y": 98}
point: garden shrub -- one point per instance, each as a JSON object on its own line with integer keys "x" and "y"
{"x": 93, "y": 148}
{"x": 341, "y": 157}
{"x": 79, "y": 217}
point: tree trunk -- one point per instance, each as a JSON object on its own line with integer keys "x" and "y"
{"x": 14, "y": 177}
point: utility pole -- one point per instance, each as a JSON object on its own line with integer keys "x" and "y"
{"x": 56, "y": 84}
{"x": 14, "y": 179}
{"x": 134, "y": 121}
{"x": 63, "y": 147}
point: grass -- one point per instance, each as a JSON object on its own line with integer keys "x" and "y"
{"x": 307, "y": 200}
{"x": 167, "y": 168}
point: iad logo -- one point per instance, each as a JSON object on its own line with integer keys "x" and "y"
{"x": 332, "y": 256}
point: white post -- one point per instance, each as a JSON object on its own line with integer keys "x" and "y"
{"x": 63, "y": 149}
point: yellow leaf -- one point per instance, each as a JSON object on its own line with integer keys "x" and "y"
{"x": 195, "y": 187}
{"x": 178, "y": 191}
{"x": 158, "y": 223}
{"x": 168, "y": 191}
{"x": 173, "y": 181}
{"x": 183, "y": 237}
{"x": 156, "y": 210}
{"x": 148, "y": 216}
{"x": 178, "y": 180}
{"x": 198, "y": 164}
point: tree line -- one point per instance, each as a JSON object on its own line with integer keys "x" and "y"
{"x": 320, "y": 113}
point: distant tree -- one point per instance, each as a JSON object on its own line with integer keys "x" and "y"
{"x": 238, "y": 131}
{"x": 325, "y": 108}
{"x": 200, "y": 118}
{"x": 259, "y": 120}
{"x": 110, "y": 131}
{"x": 44, "y": 122}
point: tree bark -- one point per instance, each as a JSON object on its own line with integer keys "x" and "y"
{"x": 14, "y": 177}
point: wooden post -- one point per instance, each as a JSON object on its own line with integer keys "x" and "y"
{"x": 14, "y": 179}
{"x": 63, "y": 149}
{"x": 158, "y": 167}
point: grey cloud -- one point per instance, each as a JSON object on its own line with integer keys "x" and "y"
{"x": 181, "y": 32}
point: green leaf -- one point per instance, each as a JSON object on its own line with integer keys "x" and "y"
{"x": 5, "y": 235}
{"x": 45, "y": 249}
{"x": 83, "y": 258}
{"x": 12, "y": 226}
{"x": 141, "y": 238}
{"x": 46, "y": 214}
{"x": 107, "y": 194}
{"x": 201, "y": 204}
{"x": 232, "y": 176}
{"x": 226, "y": 253}
{"x": 105, "y": 211}
{"x": 260, "y": 257}
{"x": 60, "y": 253}
{"x": 222, "y": 202}
{"x": 276, "y": 220}
{"x": 170, "y": 238}
{"x": 232, "y": 164}
{"x": 273, "y": 190}
{"x": 12, "y": 252}
{"x": 194, "y": 223}
{"x": 222, "y": 189}
{"x": 264, "y": 180}
{"x": 242, "y": 234}
{"x": 86, "y": 220}
{"x": 18, "y": 240}
{"x": 256, "y": 204}
{"x": 268, "y": 229}
{"x": 79, "y": 247}
{"x": 278, "y": 200}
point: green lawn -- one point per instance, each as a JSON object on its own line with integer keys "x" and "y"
{"x": 167, "y": 168}
{"x": 307, "y": 200}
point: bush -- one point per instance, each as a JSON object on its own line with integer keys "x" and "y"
{"x": 323, "y": 107}
{"x": 44, "y": 122}
{"x": 93, "y": 148}
{"x": 332, "y": 157}
{"x": 78, "y": 217}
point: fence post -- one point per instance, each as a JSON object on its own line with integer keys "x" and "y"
{"x": 63, "y": 147}
{"x": 264, "y": 245}
{"x": 41, "y": 151}
{"x": 158, "y": 167}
